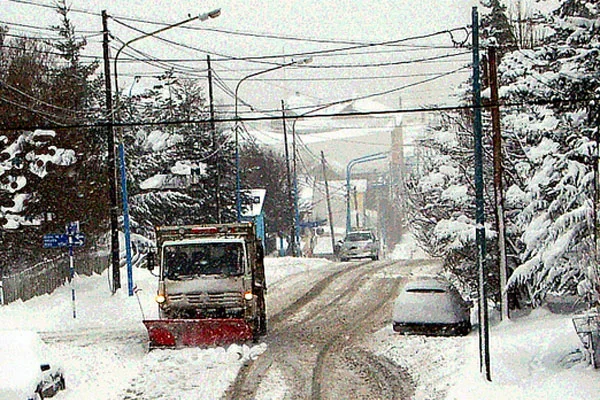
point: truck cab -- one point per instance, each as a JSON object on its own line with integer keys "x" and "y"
{"x": 211, "y": 273}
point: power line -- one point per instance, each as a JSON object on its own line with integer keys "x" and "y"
{"x": 464, "y": 107}
{"x": 53, "y": 7}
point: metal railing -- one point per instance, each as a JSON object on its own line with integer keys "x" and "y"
{"x": 47, "y": 276}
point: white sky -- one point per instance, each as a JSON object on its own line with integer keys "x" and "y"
{"x": 341, "y": 20}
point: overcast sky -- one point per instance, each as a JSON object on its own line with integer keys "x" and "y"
{"x": 276, "y": 32}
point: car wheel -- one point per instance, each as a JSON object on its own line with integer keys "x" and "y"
{"x": 62, "y": 384}
{"x": 343, "y": 259}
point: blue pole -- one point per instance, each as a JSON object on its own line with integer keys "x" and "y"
{"x": 72, "y": 274}
{"x": 126, "y": 219}
{"x": 238, "y": 198}
{"x": 479, "y": 206}
{"x": 363, "y": 159}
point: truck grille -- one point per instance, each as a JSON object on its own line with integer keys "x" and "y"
{"x": 210, "y": 300}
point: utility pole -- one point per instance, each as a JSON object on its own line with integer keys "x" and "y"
{"x": 112, "y": 170}
{"x": 328, "y": 202}
{"x": 214, "y": 140}
{"x": 295, "y": 183}
{"x": 479, "y": 206}
{"x": 498, "y": 172}
{"x": 289, "y": 185}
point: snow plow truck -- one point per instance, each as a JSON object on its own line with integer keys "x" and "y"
{"x": 211, "y": 286}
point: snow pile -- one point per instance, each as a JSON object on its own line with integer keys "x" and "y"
{"x": 198, "y": 374}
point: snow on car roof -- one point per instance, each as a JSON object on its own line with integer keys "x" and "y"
{"x": 427, "y": 283}
{"x": 21, "y": 353}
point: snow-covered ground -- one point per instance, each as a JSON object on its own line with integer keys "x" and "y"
{"x": 105, "y": 356}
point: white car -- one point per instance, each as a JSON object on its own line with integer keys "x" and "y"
{"x": 359, "y": 244}
{"x": 431, "y": 305}
{"x": 28, "y": 370}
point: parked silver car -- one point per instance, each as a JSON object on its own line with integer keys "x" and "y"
{"x": 433, "y": 306}
{"x": 359, "y": 244}
{"x": 28, "y": 370}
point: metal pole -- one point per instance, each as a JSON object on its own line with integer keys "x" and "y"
{"x": 214, "y": 140}
{"x": 479, "y": 204}
{"x": 363, "y": 159}
{"x": 72, "y": 274}
{"x": 126, "y": 227}
{"x": 238, "y": 202}
{"x": 112, "y": 170}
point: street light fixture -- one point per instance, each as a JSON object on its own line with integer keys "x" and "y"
{"x": 201, "y": 17}
{"x": 238, "y": 199}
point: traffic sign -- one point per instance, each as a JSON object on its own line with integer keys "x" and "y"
{"x": 73, "y": 228}
{"x": 78, "y": 239}
{"x": 53, "y": 240}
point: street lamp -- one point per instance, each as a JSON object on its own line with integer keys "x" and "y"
{"x": 201, "y": 17}
{"x": 352, "y": 163}
{"x": 238, "y": 200}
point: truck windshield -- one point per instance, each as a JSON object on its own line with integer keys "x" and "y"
{"x": 187, "y": 261}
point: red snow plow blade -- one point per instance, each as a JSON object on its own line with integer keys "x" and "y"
{"x": 197, "y": 332}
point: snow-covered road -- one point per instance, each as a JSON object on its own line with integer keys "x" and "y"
{"x": 105, "y": 355}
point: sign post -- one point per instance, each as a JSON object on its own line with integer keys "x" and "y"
{"x": 72, "y": 238}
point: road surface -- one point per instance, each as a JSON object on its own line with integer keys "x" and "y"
{"x": 314, "y": 343}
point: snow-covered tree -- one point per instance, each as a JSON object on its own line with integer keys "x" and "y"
{"x": 173, "y": 169}
{"x": 48, "y": 177}
{"x": 556, "y": 135}
{"x": 549, "y": 123}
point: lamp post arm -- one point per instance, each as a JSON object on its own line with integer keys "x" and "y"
{"x": 201, "y": 17}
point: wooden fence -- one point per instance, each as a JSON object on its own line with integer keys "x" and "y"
{"x": 45, "y": 277}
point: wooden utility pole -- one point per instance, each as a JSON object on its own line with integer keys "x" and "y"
{"x": 112, "y": 169}
{"x": 498, "y": 173}
{"x": 290, "y": 207}
{"x": 328, "y": 202}
{"x": 214, "y": 140}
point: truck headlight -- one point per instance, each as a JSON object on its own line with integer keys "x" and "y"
{"x": 160, "y": 298}
{"x": 248, "y": 296}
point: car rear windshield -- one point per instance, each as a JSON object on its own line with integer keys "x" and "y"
{"x": 425, "y": 290}
{"x": 358, "y": 237}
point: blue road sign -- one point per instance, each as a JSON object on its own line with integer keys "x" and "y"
{"x": 78, "y": 239}
{"x": 53, "y": 240}
{"x": 73, "y": 228}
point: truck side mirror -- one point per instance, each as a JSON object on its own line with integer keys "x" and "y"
{"x": 150, "y": 261}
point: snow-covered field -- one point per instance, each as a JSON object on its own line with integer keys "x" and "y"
{"x": 105, "y": 355}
